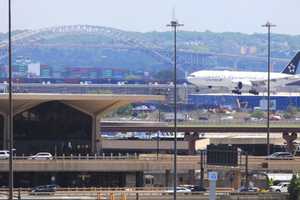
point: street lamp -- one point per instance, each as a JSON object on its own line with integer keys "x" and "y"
{"x": 10, "y": 124}
{"x": 174, "y": 24}
{"x": 268, "y": 25}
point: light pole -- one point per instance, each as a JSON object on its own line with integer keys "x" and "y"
{"x": 268, "y": 25}
{"x": 174, "y": 24}
{"x": 10, "y": 120}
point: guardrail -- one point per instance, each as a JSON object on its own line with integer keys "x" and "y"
{"x": 81, "y": 157}
{"x": 114, "y": 189}
{"x": 109, "y": 157}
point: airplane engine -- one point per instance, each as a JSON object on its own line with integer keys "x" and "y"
{"x": 239, "y": 85}
{"x": 238, "y": 88}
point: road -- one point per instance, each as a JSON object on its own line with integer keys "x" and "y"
{"x": 141, "y": 195}
{"x": 141, "y": 163}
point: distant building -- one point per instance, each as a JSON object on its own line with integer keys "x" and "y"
{"x": 279, "y": 101}
{"x": 3, "y": 71}
{"x": 114, "y": 73}
{"x": 92, "y": 73}
{"x": 24, "y": 67}
{"x": 33, "y": 70}
{"x": 45, "y": 71}
{"x": 248, "y": 50}
{"x": 20, "y": 70}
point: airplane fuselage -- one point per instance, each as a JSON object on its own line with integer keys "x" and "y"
{"x": 225, "y": 78}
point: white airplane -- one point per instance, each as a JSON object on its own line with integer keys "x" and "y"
{"x": 239, "y": 81}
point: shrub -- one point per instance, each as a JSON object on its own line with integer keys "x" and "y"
{"x": 257, "y": 114}
{"x": 294, "y": 188}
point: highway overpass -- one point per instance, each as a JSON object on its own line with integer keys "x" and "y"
{"x": 143, "y": 163}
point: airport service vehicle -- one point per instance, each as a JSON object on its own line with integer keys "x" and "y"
{"x": 4, "y": 154}
{"x": 281, "y": 187}
{"x": 251, "y": 82}
{"x": 280, "y": 156}
{"x": 41, "y": 156}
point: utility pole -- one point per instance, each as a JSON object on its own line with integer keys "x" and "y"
{"x": 201, "y": 169}
{"x": 10, "y": 120}
{"x": 268, "y": 25}
{"x": 246, "y": 171}
{"x": 174, "y": 24}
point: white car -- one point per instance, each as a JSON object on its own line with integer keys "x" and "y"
{"x": 41, "y": 156}
{"x": 281, "y": 187}
{"x": 280, "y": 156}
{"x": 4, "y": 154}
{"x": 179, "y": 189}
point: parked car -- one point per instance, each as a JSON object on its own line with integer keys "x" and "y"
{"x": 196, "y": 188}
{"x": 227, "y": 118}
{"x": 280, "y": 156}
{"x": 4, "y": 154}
{"x": 281, "y": 187}
{"x": 248, "y": 189}
{"x": 275, "y": 117}
{"x": 203, "y": 118}
{"x": 44, "y": 189}
{"x": 41, "y": 156}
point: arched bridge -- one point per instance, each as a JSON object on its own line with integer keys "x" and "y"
{"x": 120, "y": 39}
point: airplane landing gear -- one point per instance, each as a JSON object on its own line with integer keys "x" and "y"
{"x": 236, "y": 91}
{"x": 253, "y": 91}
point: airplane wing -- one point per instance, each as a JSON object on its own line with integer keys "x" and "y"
{"x": 276, "y": 82}
{"x": 258, "y": 83}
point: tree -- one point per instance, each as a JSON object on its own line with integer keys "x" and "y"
{"x": 125, "y": 110}
{"x": 290, "y": 112}
{"x": 164, "y": 75}
{"x": 294, "y": 188}
{"x": 270, "y": 181}
{"x": 257, "y": 114}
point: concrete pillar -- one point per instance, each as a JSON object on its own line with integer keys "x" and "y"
{"x": 94, "y": 133}
{"x": 191, "y": 138}
{"x": 139, "y": 179}
{"x": 191, "y": 175}
{"x": 237, "y": 179}
{"x": 167, "y": 178}
{"x": 5, "y": 131}
{"x": 96, "y": 138}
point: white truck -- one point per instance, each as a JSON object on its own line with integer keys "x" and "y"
{"x": 281, "y": 187}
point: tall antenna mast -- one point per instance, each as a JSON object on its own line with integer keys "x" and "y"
{"x": 174, "y": 14}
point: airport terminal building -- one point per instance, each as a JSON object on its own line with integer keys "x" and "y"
{"x": 63, "y": 124}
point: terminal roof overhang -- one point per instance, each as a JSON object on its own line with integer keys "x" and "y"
{"x": 92, "y": 104}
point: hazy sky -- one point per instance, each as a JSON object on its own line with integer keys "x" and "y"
{"x": 148, "y": 15}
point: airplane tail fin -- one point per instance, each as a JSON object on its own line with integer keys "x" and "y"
{"x": 291, "y": 68}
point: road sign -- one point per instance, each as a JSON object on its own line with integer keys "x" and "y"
{"x": 212, "y": 176}
{"x": 224, "y": 155}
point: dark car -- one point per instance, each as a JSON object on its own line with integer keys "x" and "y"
{"x": 197, "y": 188}
{"x": 203, "y": 118}
{"x": 248, "y": 189}
{"x": 44, "y": 189}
